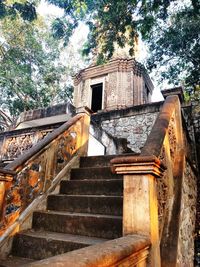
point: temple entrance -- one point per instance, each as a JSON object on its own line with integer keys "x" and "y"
{"x": 97, "y": 91}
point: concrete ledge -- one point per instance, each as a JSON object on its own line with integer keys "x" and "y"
{"x": 130, "y": 250}
{"x": 60, "y": 109}
{"x": 127, "y": 112}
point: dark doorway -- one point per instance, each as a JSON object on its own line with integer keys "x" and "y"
{"x": 97, "y": 90}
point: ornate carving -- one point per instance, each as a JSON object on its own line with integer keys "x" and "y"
{"x": 162, "y": 193}
{"x": 26, "y": 186}
{"x": 15, "y": 146}
{"x": 112, "y": 87}
{"x": 172, "y": 136}
{"x": 129, "y": 89}
{"x": 37, "y": 175}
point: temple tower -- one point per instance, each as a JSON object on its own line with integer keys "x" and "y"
{"x": 120, "y": 83}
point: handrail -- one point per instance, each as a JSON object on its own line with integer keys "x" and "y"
{"x": 33, "y": 173}
{"x": 131, "y": 250}
{"x": 166, "y": 146}
{"x": 48, "y": 139}
{"x": 156, "y": 138}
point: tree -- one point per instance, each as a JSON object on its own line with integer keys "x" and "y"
{"x": 27, "y": 71}
{"x": 173, "y": 36}
{"x": 32, "y": 72}
{"x": 176, "y": 46}
{"x": 24, "y": 9}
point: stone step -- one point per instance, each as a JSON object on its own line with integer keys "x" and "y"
{"x": 39, "y": 245}
{"x": 93, "y": 225}
{"x": 110, "y": 205}
{"x": 96, "y": 161}
{"x": 93, "y": 173}
{"x": 13, "y": 261}
{"x": 100, "y": 161}
{"x": 112, "y": 187}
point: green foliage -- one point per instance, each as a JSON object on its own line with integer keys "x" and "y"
{"x": 170, "y": 27}
{"x": 176, "y": 45}
{"x": 110, "y": 22}
{"x": 31, "y": 71}
{"x": 25, "y": 9}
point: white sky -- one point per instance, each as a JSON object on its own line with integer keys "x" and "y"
{"x": 45, "y": 9}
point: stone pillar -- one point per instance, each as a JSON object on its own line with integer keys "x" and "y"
{"x": 140, "y": 207}
{"x": 6, "y": 176}
{"x": 85, "y": 125}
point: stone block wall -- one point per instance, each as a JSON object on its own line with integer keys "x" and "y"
{"x": 133, "y": 124}
{"x": 134, "y": 128}
{"x": 187, "y": 218}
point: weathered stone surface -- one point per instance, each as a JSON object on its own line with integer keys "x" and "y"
{"x": 112, "y": 187}
{"x": 48, "y": 112}
{"x": 131, "y": 250}
{"x": 34, "y": 245}
{"x": 86, "y": 212}
{"x": 99, "y": 204}
{"x": 117, "y": 74}
{"x": 187, "y": 218}
{"x": 135, "y": 129}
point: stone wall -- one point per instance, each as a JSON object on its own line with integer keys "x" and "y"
{"x": 134, "y": 128}
{"x": 187, "y": 218}
{"x": 133, "y": 124}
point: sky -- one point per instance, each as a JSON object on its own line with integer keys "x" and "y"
{"x": 80, "y": 35}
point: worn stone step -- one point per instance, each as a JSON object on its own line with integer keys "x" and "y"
{"x": 93, "y": 225}
{"x": 86, "y": 203}
{"x": 93, "y": 173}
{"x": 13, "y": 261}
{"x": 112, "y": 187}
{"x": 96, "y": 161}
{"x": 100, "y": 161}
{"x": 39, "y": 245}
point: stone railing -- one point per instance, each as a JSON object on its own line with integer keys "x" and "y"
{"x": 33, "y": 173}
{"x": 18, "y": 142}
{"x": 33, "y": 126}
{"x": 153, "y": 183}
{"x": 127, "y": 251}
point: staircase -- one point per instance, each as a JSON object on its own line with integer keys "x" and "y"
{"x": 88, "y": 210}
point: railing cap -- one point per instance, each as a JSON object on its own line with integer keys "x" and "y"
{"x": 174, "y": 91}
{"x": 138, "y": 165}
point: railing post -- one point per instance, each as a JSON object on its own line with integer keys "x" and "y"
{"x": 84, "y": 135}
{"x": 5, "y": 177}
{"x": 140, "y": 207}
